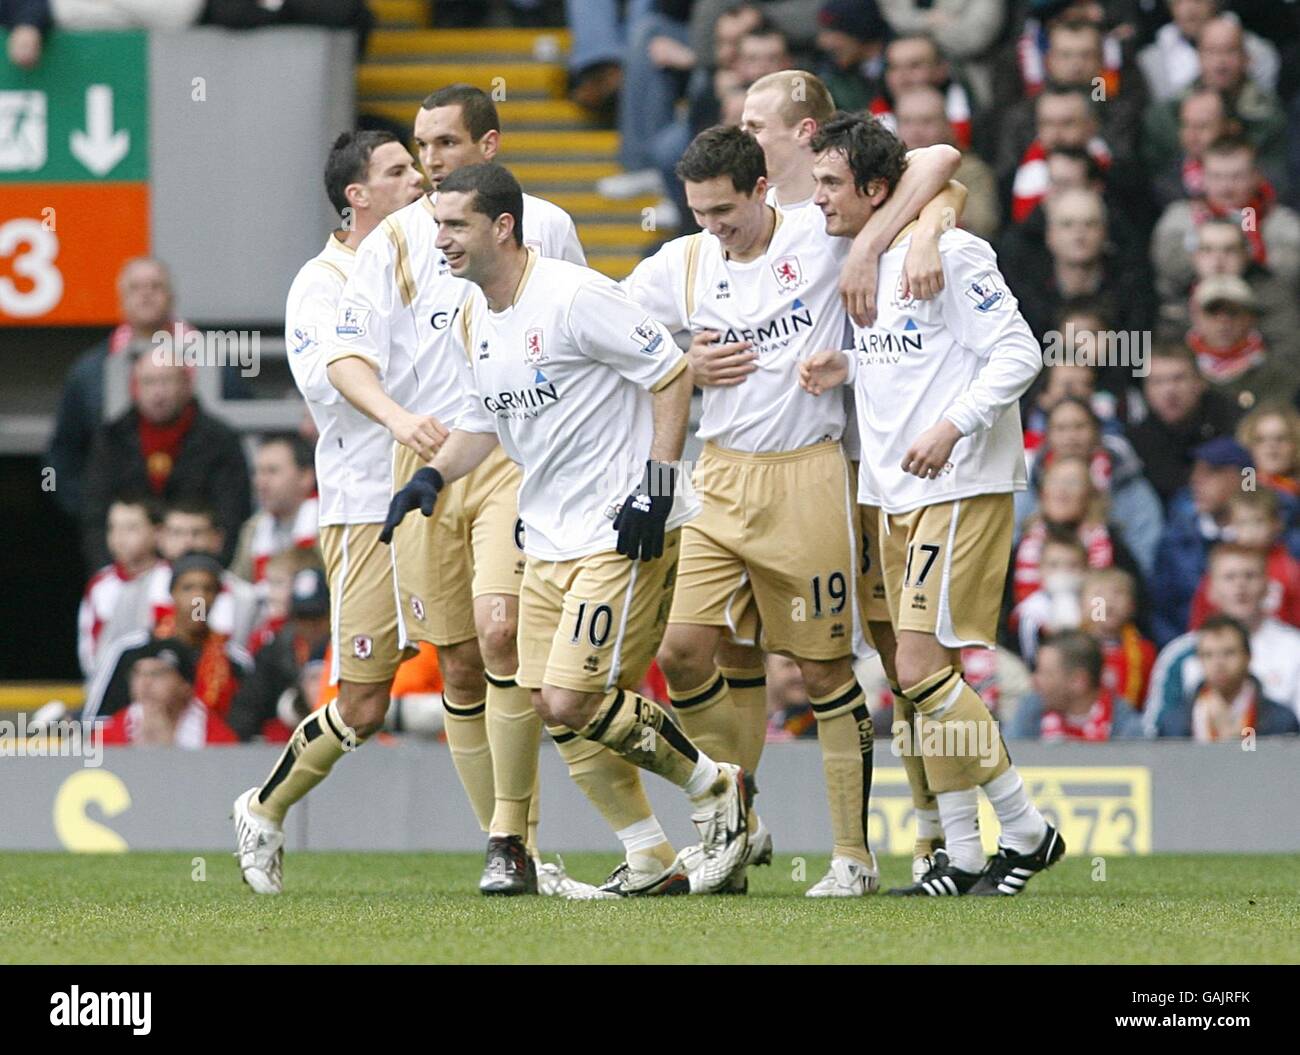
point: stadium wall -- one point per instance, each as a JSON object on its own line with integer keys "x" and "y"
{"x": 1108, "y": 799}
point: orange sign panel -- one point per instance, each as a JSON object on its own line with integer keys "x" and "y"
{"x": 61, "y": 247}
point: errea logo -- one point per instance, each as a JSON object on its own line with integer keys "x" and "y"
{"x": 76, "y": 1008}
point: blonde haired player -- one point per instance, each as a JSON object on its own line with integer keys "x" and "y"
{"x": 591, "y": 397}
{"x": 937, "y": 385}
{"x": 368, "y": 176}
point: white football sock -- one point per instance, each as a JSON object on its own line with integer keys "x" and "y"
{"x": 927, "y": 824}
{"x": 959, "y": 811}
{"x": 702, "y": 777}
{"x": 1023, "y": 826}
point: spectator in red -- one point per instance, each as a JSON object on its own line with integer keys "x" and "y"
{"x": 1234, "y": 190}
{"x": 163, "y": 709}
{"x": 1073, "y": 430}
{"x": 1109, "y": 616}
{"x": 1063, "y": 118}
{"x": 1181, "y": 414}
{"x": 1229, "y": 702}
{"x": 1255, "y": 523}
{"x": 1070, "y": 701}
{"x": 117, "y": 600}
{"x": 220, "y": 664}
{"x": 1057, "y": 605}
{"x": 1230, "y": 351}
{"x": 1272, "y": 435}
{"x": 281, "y": 571}
{"x": 191, "y": 527}
{"x": 1203, "y": 118}
{"x": 1067, "y": 500}
{"x": 284, "y": 479}
{"x": 282, "y": 688}
{"x": 168, "y": 446}
{"x": 914, "y": 61}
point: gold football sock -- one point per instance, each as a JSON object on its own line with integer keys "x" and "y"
{"x": 535, "y": 817}
{"x": 640, "y": 731}
{"x": 958, "y": 739}
{"x": 929, "y": 833}
{"x": 466, "y": 729}
{"x": 514, "y": 730}
{"x": 614, "y": 787}
{"x": 846, "y": 736}
{"x": 709, "y": 718}
{"x": 320, "y": 740}
{"x": 748, "y": 690}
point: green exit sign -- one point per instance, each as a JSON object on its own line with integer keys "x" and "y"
{"x": 81, "y": 115}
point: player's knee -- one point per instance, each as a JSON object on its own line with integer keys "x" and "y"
{"x": 821, "y": 679}
{"x": 462, "y": 670}
{"x": 914, "y": 662}
{"x": 498, "y": 644}
{"x": 683, "y": 658}
{"x": 363, "y": 706}
{"x": 566, "y": 707}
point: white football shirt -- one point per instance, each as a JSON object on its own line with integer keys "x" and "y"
{"x": 967, "y": 355}
{"x": 353, "y": 465}
{"x": 564, "y": 375}
{"x": 786, "y": 302}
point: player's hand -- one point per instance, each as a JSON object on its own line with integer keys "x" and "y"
{"x": 641, "y": 519}
{"x": 858, "y": 285}
{"x": 421, "y": 490}
{"x": 421, "y": 433}
{"x": 922, "y": 269}
{"x": 715, "y": 365}
{"x": 929, "y": 454}
{"x": 823, "y": 371}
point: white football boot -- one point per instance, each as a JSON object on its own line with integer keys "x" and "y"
{"x": 261, "y": 847}
{"x": 724, "y": 827}
{"x": 554, "y": 881}
{"x": 847, "y": 878}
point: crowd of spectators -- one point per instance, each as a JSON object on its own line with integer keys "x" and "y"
{"x": 1136, "y": 164}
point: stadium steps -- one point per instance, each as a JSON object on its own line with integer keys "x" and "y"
{"x": 33, "y": 695}
{"x": 550, "y": 144}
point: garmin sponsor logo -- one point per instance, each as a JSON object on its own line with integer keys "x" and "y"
{"x": 76, "y": 1008}
{"x": 523, "y": 402}
{"x": 800, "y": 317}
{"x": 886, "y": 347}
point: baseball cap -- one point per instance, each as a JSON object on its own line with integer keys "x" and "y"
{"x": 172, "y": 651}
{"x": 1222, "y": 452}
{"x": 311, "y": 595}
{"x": 195, "y": 561}
{"x": 1225, "y": 289}
{"x": 860, "y": 19}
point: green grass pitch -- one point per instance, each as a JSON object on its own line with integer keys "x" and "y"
{"x": 379, "y": 908}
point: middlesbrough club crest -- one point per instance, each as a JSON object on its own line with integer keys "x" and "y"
{"x": 788, "y": 273}
{"x": 533, "y": 353}
{"x": 362, "y": 646}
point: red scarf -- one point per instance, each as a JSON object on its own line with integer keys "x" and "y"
{"x": 1261, "y": 203}
{"x": 1031, "y": 52}
{"x": 1094, "y": 726}
{"x": 1127, "y": 664}
{"x": 1244, "y": 710}
{"x": 1031, "y": 182}
{"x": 956, "y": 107}
{"x": 160, "y": 444}
{"x": 1029, "y": 576}
{"x": 1220, "y": 365}
{"x": 1193, "y": 177}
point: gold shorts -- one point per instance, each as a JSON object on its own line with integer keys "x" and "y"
{"x": 363, "y": 604}
{"x": 594, "y": 623}
{"x": 777, "y": 530}
{"x": 871, "y": 580}
{"x": 945, "y": 568}
{"x": 471, "y": 546}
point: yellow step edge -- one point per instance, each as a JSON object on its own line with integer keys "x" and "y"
{"x": 614, "y": 267}
{"x": 615, "y": 236}
{"x": 561, "y": 171}
{"x": 561, "y": 141}
{"x": 437, "y": 42}
{"x": 498, "y": 78}
{"x": 583, "y": 202}
{"x": 387, "y": 12}
{"x": 32, "y": 695}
